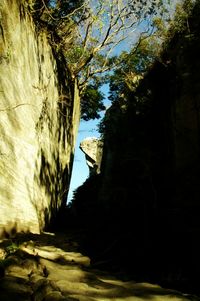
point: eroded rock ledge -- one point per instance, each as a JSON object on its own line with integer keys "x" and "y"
{"x": 92, "y": 148}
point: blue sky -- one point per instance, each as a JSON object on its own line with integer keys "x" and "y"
{"x": 86, "y": 129}
{"x": 89, "y": 129}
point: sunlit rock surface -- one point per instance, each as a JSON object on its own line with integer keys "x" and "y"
{"x": 92, "y": 148}
{"x": 39, "y": 116}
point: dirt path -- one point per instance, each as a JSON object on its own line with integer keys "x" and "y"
{"x": 49, "y": 267}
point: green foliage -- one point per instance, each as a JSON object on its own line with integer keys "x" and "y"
{"x": 178, "y": 25}
{"x": 12, "y": 248}
{"x": 132, "y": 66}
{"x": 85, "y": 33}
{"x": 54, "y": 11}
{"x": 74, "y": 54}
{"x": 9, "y": 249}
{"x": 125, "y": 80}
{"x": 91, "y": 103}
{"x": 182, "y": 13}
{"x": 63, "y": 8}
{"x": 88, "y": 31}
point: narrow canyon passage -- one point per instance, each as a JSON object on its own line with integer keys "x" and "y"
{"x": 132, "y": 229}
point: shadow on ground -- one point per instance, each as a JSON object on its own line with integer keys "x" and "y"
{"x": 49, "y": 267}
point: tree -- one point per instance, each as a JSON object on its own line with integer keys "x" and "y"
{"x": 107, "y": 25}
{"x": 87, "y": 32}
{"x": 91, "y": 103}
{"x": 134, "y": 64}
{"x": 132, "y": 67}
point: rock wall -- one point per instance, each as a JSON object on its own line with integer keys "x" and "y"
{"x": 39, "y": 117}
{"x": 147, "y": 195}
{"x": 156, "y": 134}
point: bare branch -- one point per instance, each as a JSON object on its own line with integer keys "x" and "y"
{"x": 87, "y": 34}
{"x": 101, "y": 25}
{"x": 48, "y": 11}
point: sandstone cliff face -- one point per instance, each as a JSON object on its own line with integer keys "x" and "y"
{"x": 39, "y": 117}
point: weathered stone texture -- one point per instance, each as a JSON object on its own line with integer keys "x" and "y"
{"x": 39, "y": 116}
{"x": 92, "y": 147}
